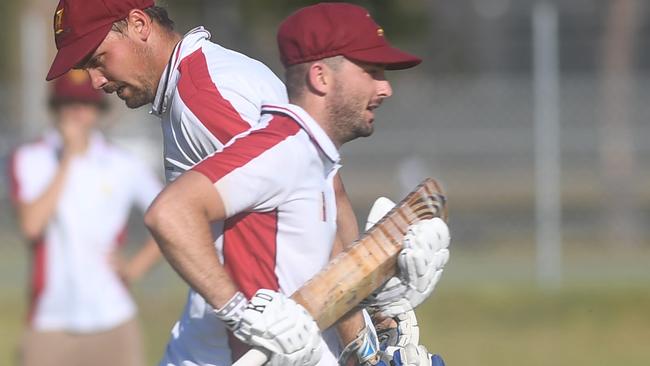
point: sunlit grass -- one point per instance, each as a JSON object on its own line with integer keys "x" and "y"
{"x": 488, "y": 310}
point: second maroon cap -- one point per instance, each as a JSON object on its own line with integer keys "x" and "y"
{"x": 75, "y": 86}
{"x": 331, "y": 29}
{"x": 80, "y": 26}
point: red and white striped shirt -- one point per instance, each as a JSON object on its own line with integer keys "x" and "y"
{"x": 276, "y": 182}
{"x": 206, "y": 95}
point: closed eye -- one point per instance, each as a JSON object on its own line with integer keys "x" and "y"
{"x": 92, "y": 62}
{"x": 377, "y": 73}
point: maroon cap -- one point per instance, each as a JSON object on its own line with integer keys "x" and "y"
{"x": 80, "y": 26}
{"x": 331, "y": 29}
{"x": 75, "y": 86}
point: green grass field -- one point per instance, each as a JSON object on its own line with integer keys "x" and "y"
{"x": 486, "y": 311}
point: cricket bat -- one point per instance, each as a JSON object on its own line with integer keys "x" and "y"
{"x": 367, "y": 264}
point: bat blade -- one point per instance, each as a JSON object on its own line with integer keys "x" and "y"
{"x": 368, "y": 263}
{"x": 355, "y": 273}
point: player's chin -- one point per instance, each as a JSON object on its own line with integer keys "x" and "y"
{"x": 136, "y": 100}
{"x": 365, "y": 130}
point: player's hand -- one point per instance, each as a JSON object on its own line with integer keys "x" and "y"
{"x": 412, "y": 355}
{"x": 119, "y": 264}
{"x": 278, "y": 324}
{"x": 399, "y": 339}
{"x": 73, "y": 136}
{"x": 393, "y": 345}
{"x": 420, "y": 263}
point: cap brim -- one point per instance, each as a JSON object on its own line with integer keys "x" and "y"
{"x": 71, "y": 55}
{"x": 391, "y": 57}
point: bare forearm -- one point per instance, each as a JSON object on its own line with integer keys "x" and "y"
{"x": 351, "y": 324}
{"x": 179, "y": 222}
{"x": 142, "y": 261}
{"x": 347, "y": 228}
{"x": 34, "y": 216}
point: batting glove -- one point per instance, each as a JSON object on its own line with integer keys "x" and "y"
{"x": 277, "y": 323}
{"x": 412, "y": 355}
{"x": 420, "y": 263}
{"x": 364, "y": 349}
{"x": 368, "y": 349}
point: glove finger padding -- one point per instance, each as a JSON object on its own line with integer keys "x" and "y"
{"x": 424, "y": 256}
{"x": 378, "y": 210}
{"x": 432, "y": 233}
{"x": 413, "y": 355}
{"x": 420, "y": 266}
{"x": 404, "y": 329}
{"x": 277, "y": 323}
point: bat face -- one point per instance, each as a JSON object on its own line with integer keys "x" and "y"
{"x": 370, "y": 261}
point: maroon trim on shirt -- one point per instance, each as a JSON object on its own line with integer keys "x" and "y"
{"x": 37, "y": 281}
{"x": 280, "y": 110}
{"x": 247, "y": 148}
{"x": 250, "y": 251}
{"x": 122, "y": 235}
{"x": 200, "y": 94}
{"x": 14, "y": 185}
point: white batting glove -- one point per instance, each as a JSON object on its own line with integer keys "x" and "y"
{"x": 399, "y": 339}
{"x": 420, "y": 263}
{"x": 373, "y": 348}
{"x": 277, "y": 323}
{"x": 397, "y": 331}
{"x": 412, "y": 355}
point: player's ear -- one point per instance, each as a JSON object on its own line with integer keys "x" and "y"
{"x": 319, "y": 78}
{"x": 140, "y": 24}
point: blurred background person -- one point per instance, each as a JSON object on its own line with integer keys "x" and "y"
{"x": 73, "y": 192}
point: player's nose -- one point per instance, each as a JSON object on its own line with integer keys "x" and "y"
{"x": 384, "y": 89}
{"x": 97, "y": 78}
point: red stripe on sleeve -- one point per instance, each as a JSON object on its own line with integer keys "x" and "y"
{"x": 37, "y": 276}
{"x": 247, "y": 148}
{"x": 250, "y": 252}
{"x": 14, "y": 186}
{"x": 200, "y": 94}
{"x": 122, "y": 235}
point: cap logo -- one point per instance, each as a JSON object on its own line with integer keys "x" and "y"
{"x": 58, "y": 22}
{"x": 78, "y": 76}
{"x": 380, "y": 32}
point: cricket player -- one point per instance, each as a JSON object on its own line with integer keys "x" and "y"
{"x": 273, "y": 187}
{"x": 73, "y": 191}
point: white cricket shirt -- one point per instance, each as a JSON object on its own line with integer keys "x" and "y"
{"x": 206, "y": 95}
{"x": 276, "y": 181}
{"x": 73, "y": 287}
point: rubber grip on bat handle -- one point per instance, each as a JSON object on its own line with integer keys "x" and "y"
{"x": 254, "y": 357}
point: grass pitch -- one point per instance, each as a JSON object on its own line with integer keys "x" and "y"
{"x": 487, "y": 311}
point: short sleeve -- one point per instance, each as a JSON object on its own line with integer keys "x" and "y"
{"x": 30, "y": 173}
{"x": 257, "y": 171}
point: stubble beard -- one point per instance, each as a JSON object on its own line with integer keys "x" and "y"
{"x": 140, "y": 96}
{"x": 346, "y": 114}
{"x": 144, "y": 94}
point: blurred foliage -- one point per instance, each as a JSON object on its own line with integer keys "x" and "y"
{"x": 8, "y": 37}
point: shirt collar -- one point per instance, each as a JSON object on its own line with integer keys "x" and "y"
{"x": 169, "y": 77}
{"x": 313, "y": 129}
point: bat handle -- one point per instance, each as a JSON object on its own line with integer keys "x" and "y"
{"x": 254, "y": 357}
